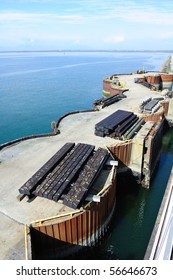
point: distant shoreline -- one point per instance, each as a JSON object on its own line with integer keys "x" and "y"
{"x": 89, "y": 51}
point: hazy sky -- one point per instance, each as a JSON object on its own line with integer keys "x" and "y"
{"x": 86, "y": 24}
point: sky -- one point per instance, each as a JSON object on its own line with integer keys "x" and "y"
{"x": 86, "y": 25}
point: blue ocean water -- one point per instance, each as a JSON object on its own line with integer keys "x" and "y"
{"x": 36, "y": 88}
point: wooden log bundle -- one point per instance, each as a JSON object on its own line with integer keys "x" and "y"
{"x": 104, "y": 102}
{"x": 86, "y": 179}
{"x": 69, "y": 174}
{"x": 116, "y": 124}
{"x": 62, "y": 175}
{"x": 39, "y": 176}
{"x": 121, "y": 129}
{"x": 131, "y": 132}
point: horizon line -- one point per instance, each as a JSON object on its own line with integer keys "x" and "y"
{"x": 78, "y": 50}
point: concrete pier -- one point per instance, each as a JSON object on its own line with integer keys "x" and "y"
{"x": 20, "y": 161}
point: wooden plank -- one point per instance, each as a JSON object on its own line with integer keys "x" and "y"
{"x": 74, "y": 230}
{"x": 86, "y": 179}
{"x": 79, "y": 228}
{"x": 114, "y": 119}
{"x": 56, "y": 231}
{"x": 47, "y": 185}
{"x": 68, "y": 231}
{"x": 125, "y": 125}
{"x": 73, "y": 171}
{"x": 109, "y": 124}
{"x": 33, "y": 182}
{"x": 85, "y": 229}
{"x": 62, "y": 230}
{"x": 52, "y": 176}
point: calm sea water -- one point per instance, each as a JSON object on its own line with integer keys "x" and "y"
{"x": 36, "y": 88}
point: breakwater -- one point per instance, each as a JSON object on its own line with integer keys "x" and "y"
{"x": 54, "y": 133}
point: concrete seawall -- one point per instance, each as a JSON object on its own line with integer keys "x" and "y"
{"x": 20, "y": 160}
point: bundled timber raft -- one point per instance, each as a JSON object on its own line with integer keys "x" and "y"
{"x": 71, "y": 178}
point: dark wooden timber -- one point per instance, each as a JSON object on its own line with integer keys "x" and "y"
{"x": 68, "y": 175}
{"x": 125, "y": 125}
{"x": 55, "y": 174}
{"x": 113, "y": 120}
{"x": 60, "y": 178}
{"x": 86, "y": 179}
{"x": 103, "y": 102}
{"x": 116, "y": 124}
{"x": 73, "y": 170}
{"x": 39, "y": 176}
